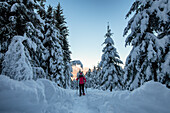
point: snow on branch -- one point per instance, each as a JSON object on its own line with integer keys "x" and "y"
{"x": 77, "y": 62}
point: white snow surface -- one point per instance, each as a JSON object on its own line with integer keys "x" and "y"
{"x": 16, "y": 61}
{"x": 76, "y": 62}
{"x": 14, "y": 7}
{"x": 44, "y": 96}
{"x": 108, "y": 40}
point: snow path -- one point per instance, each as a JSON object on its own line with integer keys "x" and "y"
{"x": 93, "y": 102}
{"x": 80, "y": 105}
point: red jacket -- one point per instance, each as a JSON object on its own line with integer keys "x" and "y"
{"x": 82, "y": 79}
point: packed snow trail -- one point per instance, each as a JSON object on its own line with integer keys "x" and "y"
{"x": 83, "y": 105}
{"x": 44, "y": 96}
{"x": 95, "y": 101}
{"x": 80, "y": 105}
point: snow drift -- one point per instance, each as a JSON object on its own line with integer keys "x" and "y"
{"x": 44, "y": 96}
{"x": 41, "y": 96}
{"x": 152, "y": 97}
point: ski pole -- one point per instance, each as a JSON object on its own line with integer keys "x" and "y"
{"x": 77, "y": 86}
{"x": 86, "y": 87}
{"x": 77, "y": 89}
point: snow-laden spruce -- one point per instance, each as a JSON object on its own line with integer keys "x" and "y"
{"x": 16, "y": 62}
{"x": 149, "y": 35}
{"x": 94, "y": 78}
{"x": 43, "y": 42}
{"x": 20, "y": 18}
{"x": 63, "y": 28}
{"x": 89, "y": 78}
{"x": 77, "y": 62}
{"x": 111, "y": 73}
{"x": 54, "y": 61}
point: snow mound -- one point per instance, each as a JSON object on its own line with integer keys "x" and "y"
{"x": 152, "y": 97}
{"x": 44, "y": 96}
{"x": 41, "y": 96}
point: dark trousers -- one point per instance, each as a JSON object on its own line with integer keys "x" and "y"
{"x": 81, "y": 88}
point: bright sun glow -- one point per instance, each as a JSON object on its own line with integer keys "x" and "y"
{"x": 76, "y": 70}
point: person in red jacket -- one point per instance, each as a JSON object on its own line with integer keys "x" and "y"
{"x": 82, "y": 80}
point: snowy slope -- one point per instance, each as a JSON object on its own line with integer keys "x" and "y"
{"x": 43, "y": 96}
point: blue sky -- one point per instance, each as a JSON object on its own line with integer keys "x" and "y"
{"x": 87, "y": 23}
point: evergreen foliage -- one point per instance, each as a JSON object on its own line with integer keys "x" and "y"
{"x": 61, "y": 25}
{"x": 150, "y": 37}
{"x": 111, "y": 73}
{"x": 20, "y": 19}
{"x": 40, "y": 41}
{"x": 94, "y": 79}
{"x": 16, "y": 63}
{"x": 89, "y": 78}
{"x": 74, "y": 84}
{"x": 54, "y": 59}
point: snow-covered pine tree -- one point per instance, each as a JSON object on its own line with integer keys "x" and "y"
{"x": 97, "y": 81}
{"x": 68, "y": 74}
{"x": 19, "y": 18}
{"x": 94, "y": 77}
{"x": 41, "y": 10}
{"x": 74, "y": 84}
{"x": 5, "y": 30}
{"x": 61, "y": 25}
{"x": 54, "y": 62}
{"x": 88, "y": 78}
{"x": 16, "y": 62}
{"x": 111, "y": 72}
{"x": 150, "y": 37}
